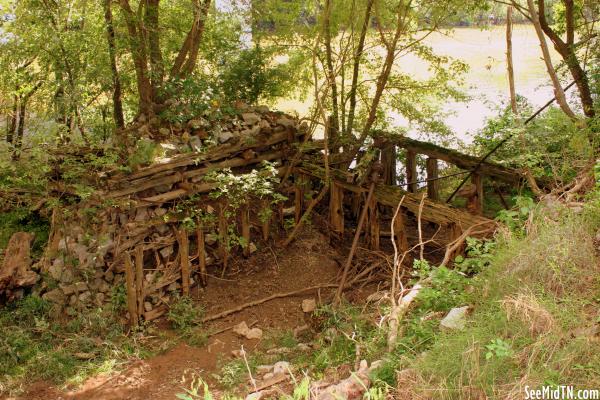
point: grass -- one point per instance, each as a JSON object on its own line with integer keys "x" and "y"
{"x": 33, "y": 347}
{"x": 532, "y": 308}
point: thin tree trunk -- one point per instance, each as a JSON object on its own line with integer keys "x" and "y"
{"x": 567, "y": 52}
{"x": 185, "y": 61}
{"x": 10, "y": 132}
{"x": 18, "y": 140}
{"x": 153, "y": 37}
{"x": 110, "y": 34}
{"x": 140, "y": 59}
{"x": 509, "y": 60}
{"x": 558, "y": 91}
{"x": 356, "y": 67}
{"x": 381, "y": 84}
{"x": 334, "y": 125}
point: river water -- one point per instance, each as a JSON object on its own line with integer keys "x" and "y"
{"x": 484, "y": 50}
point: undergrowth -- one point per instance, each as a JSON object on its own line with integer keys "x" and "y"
{"x": 33, "y": 346}
{"x": 535, "y": 309}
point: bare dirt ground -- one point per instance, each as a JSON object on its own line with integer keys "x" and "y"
{"x": 310, "y": 261}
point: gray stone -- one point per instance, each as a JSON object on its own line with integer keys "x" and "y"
{"x": 197, "y": 123}
{"x": 281, "y": 367}
{"x": 85, "y": 297}
{"x": 309, "y": 305}
{"x": 211, "y": 239}
{"x": 262, "y": 109}
{"x": 165, "y": 252}
{"x": 252, "y": 248}
{"x": 73, "y": 300}
{"x": 81, "y": 286}
{"x": 285, "y": 121}
{"x": 250, "y": 118}
{"x": 147, "y": 306}
{"x": 68, "y": 289}
{"x": 109, "y": 276}
{"x": 168, "y": 148}
{"x": 455, "y": 319}
{"x": 67, "y": 276}
{"x": 225, "y": 136}
{"x": 163, "y": 229}
{"x": 55, "y": 296}
{"x": 164, "y": 131}
{"x": 81, "y": 251}
{"x": 56, "y": 269}
{"x": 99, "y": 298}
{"x": 254, "y": 334}
{"x": 159, "y": 211}
{"x": 263, "y": 369}
{"x": 141, "y": 214}
{"x": 196, "y": 144}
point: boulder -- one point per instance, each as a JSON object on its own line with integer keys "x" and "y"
{"x": 250, "y": 118}
{"x": 225, "y": 136}
{"x": 55, "y": 296}
{"x": 15, "y": 272}
{"x": 309, "y": 305}
{"x": 456, "y": 319}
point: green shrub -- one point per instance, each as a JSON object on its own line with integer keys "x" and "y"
{"x": 184, "y": 314}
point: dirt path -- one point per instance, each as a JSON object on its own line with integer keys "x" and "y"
{"x": 308, "y": 262}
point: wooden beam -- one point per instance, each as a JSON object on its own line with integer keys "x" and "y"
{"x": 139, "y": 279}
{"x": 223, "y": 237}
{"x": 184, "y": 259}
{"x": 131, "y": 292}
{"x": 373, "y": 224}
{"x": 411, "y": 171}
{"x": 438, "y": 213}
{"x": 475, "y": 202}
{"x": 245, "y": 220}
{"x": 336, "y": 209}
{"x": 298, "y": 196}
{"x": 201, "y": 254}
{"x": 432, "y": 176}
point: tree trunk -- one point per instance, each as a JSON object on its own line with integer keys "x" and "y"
{"x": 356, "y": 67}
{"x": 567, "y": 52}
{"x": 334, "y": 125}
{"x": 509, "y": 60}
{"x": 110, "y": 35}
{"x": 140, "y": 59}
{"x": 10, "y": 132}
{"x": 152, "y": 34}
{"x": 558, "y": 91}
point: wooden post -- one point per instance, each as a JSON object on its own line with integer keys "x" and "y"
{"x": 373, "y": 224}
{"x": 475, "y": 202}
{"x": 265, "y": 219}
{"x": 245, "y": 218}
{"x": 432, "y": 175}
{"x": 139, "y": 279}
{"x": 388, "y": 160}
{"x": 201, "y": 254}
{"x": 400, "y": 233}
{"x": 298, "y": 196}
{"x": 411, "y": 171}
{"x": 184, "y": 258}
{"x": 336, "y": 209}
{"x": 455, "y": 232}
{"x": 223, "y": 238}
{"x": 131, "y": 293}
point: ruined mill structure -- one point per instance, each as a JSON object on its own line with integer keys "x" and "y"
{"x": 136, "y": 230}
